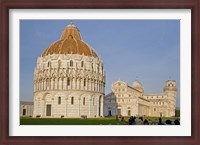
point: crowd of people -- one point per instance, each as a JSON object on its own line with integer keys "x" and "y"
{"x": 140, "y": 121}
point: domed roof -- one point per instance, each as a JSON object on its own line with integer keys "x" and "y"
{"x": 70, "y": 43}
{"x": 137, "y": 84}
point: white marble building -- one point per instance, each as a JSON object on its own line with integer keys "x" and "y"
{"x": 69, "y": 79}
{"x": 131, "y": 101}
{"x": 26, "y": 108}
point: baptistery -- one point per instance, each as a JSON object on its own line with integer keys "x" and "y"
{"x": 69, "y": 79}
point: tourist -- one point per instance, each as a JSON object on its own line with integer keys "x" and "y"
{"x": 133, "y": 122}
{"x": 130, "y": 121}
{"x": 168, "y": 122}
{"x": 146, "y": 122}
{"x": 176, "y": 122}
{"x": 140, "y": 122}
{"x": 160, "y": 122}
{"x": 122, "y": 118}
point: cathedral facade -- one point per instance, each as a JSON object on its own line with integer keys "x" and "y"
{"x": 128, "y": 100}
{"x": 69, "y": 79}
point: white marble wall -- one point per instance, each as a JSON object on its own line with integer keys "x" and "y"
{"x": 54, "y": 77}
{"x": 139, "y": 104}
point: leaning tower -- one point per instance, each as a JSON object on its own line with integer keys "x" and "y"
{"x": 69, "y": 79}
{"x": 170, "y": 91}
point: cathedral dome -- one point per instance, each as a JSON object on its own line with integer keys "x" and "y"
{"x": 70, "y": 43}
{"x": 138, "y": 86}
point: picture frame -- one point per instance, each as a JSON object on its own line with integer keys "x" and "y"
{"x": 89, "y": 4}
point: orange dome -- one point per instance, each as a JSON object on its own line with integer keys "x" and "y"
{"x": 70, "y": 43}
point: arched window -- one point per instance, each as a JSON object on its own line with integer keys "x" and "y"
{"x": 84, "y": 101}
{"x": 49, "y": 64}
{"x": 71, "y": 63}
{"x": 68, "y": 82}
{"x": 47, "y": 82}
{"x": 72, "y": 100}
{"x": 92, "y": 66}
{"x": 84, "y": 83}
{"x": 59, "y": 100}
{"x": 93, "y": 101}
{"x": 81, "y": 63}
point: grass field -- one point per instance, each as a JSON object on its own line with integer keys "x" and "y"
{"x": 81, "y": 121}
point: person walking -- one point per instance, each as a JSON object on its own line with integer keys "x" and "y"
{"x": 140, "y": 121}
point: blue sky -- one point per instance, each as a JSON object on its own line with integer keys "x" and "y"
{"x": 146, "y": 49}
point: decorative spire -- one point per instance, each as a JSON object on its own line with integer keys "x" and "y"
{"x": 71, "y": 24}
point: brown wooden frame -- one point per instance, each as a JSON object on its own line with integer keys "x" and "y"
{"x": 100, "y": 4}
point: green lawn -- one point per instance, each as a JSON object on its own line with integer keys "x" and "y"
{"x": 81, "y": 121}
